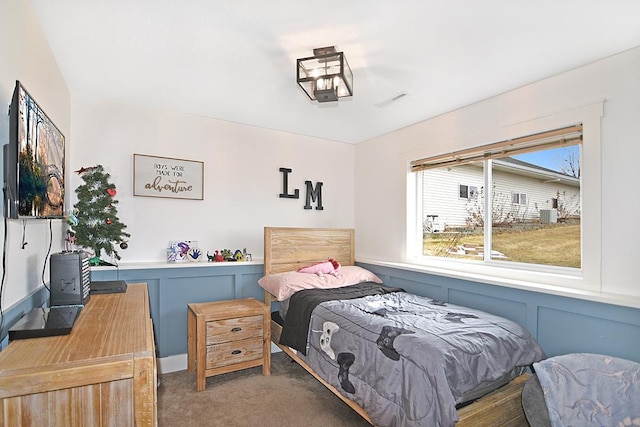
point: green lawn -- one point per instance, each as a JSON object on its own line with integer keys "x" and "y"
{"x": 554, "y": 244}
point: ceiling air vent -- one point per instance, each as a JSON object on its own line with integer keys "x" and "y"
{"x": 390, "y": 100}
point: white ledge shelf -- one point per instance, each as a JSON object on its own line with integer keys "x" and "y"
{"x": 150, "y": 265}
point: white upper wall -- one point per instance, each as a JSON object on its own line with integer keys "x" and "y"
{"x": 25, "y": 56}
{"x": 382, "y": 163}
{"x": 242, "y": 177}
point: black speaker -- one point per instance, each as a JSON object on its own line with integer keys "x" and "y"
{"x": 69, "y": 278}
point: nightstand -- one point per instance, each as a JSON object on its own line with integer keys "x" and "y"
{"x": 226, "y": 336}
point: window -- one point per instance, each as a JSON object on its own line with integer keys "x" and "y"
{"x": 492, "y": 222}
{"x": 468, "y": 191}
{"x": 463, "y": 191}
{"x": 519, "y": 198}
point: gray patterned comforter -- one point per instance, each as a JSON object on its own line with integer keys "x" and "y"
{"x": 408, "y": 360}
{"x": 583, "y": 389}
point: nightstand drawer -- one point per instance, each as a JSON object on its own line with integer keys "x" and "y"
{"x": 220, "y": 331}
{"x": 233, "y": 352}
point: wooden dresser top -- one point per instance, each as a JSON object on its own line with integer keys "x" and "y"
{"x": 110, "y": 326}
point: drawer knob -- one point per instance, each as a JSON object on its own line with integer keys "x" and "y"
{"x": 236, "y": 352}
{"x": 236, "y": 329}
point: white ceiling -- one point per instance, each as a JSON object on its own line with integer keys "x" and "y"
{"x": 235, "y": 60}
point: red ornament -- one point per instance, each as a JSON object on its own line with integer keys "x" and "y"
{"x": 108, "y": 221}
{"x": 111, "y": 191}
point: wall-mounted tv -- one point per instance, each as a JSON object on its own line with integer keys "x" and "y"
{"x": 33, "y": 161}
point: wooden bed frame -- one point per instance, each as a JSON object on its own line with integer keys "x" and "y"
{"x": 287, "y": 249}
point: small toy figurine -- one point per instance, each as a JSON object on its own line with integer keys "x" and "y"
{"x": 73, "y": 219}
{"x": 238, "y": 255}
{"x": 70, "y": 240}
{"x": 247, "y": 256}
{"x": 218, "y": 257}
{"x": 227, "y": 255}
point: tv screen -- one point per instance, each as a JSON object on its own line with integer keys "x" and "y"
{"x": 33, "y": 161}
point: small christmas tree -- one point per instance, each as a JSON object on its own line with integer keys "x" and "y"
{"x": 94, "y": 221}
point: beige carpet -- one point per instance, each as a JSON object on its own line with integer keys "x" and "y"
{"x": 288, "y": 397}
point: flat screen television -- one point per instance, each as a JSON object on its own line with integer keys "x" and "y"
{"x": 34, "y": 160}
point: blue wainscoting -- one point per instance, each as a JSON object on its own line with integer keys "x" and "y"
{"x": 560, "y": 324}
{"x": 172, "y": 288}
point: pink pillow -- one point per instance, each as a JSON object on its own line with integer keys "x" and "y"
{"x": 330, "y": 266}
{"x": 283, "y": 285}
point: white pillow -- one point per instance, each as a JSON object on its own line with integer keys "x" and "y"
{"x": 283, "y": 285}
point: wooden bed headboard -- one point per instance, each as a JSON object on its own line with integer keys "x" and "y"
{"x": 289, "y": 248}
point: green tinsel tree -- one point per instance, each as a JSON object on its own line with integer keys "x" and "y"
{"x": 95, "y": 222}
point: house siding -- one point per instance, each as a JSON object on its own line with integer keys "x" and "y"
{"x": 440, "y": 194}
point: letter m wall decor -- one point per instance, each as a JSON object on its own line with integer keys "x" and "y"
{"x": 167, "y": 177}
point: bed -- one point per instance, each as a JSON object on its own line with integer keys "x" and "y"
{"x": 368, "y": 364}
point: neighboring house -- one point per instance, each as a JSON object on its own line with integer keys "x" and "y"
{"x": 454, "y": 196}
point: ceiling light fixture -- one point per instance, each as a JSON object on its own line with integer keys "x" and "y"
{"x": 326, "y": 75}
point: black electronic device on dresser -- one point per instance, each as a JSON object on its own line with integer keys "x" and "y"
{"x": 70, "y": 278}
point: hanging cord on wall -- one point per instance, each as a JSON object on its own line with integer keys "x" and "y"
{"x": 4, "y": 277}
{"x": 46, "y": 258}
{"x": 24, "y": 233}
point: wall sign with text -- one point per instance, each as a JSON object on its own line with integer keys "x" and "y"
{"x": 155, "y": 176}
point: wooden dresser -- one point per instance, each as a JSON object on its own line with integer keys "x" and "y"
{"x": 226, "y": 336}
{"x": 102, "y": 374}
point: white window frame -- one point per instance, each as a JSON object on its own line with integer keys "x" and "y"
{"x": 472, "y": 192}
{"x": 516, "y": 198}
{"x": 519, "y": 275}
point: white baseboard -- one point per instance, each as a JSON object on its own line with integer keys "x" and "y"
{"x": 174, "y": 363}
{"x": 275, "y": 348}
{"x": 178, "y": 362}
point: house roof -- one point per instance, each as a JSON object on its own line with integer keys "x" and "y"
{"x": 528, "y": 169}
{"x": 411, "y": 60}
